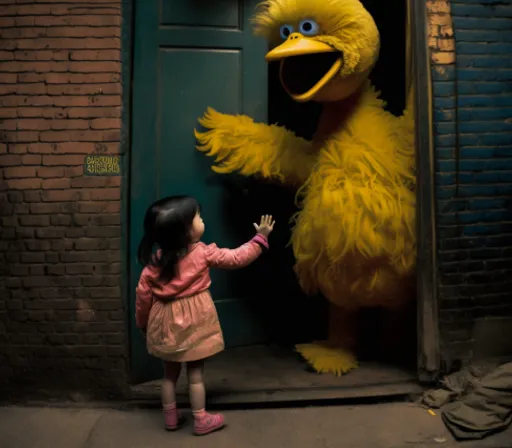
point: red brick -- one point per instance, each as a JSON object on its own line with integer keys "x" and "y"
{"x": 10, "y": 160}
{"x": 102, "y": 194}
{"x": 34, "y": 221}
{"x": 83, "y": 31}
{"x": 23, "y": 33}
{"x": 9, "y": 221}
{"x": 74, "y": 147}
{"x": 74, "y": 101}
{"x": 31, "y": 159}
{"x": 87, "y": 20}
{"x": 75, "y": 232}
{"x": 45, "y": 208}
{"x": 92, "y": 78}
{"x": 36, "y": 66}
{"x": 37, "y": 148}
{"x": 75, "y": 269}
{"x": 60, "y": 195}
{"x": 106, "y": 123}
{"x": 9, "y": 44}
{"x": 69, "y": 124}
{"x": 85, "y": 89}
{"x": 21, "y": 209}
{"x": 114, "y": 10}
{"x": 62, "y": 220}
{"x": 23, "y": 10}
{"x": 9, "y": 78}
{"x": 8, "y": 56}
{"x": 68, "y": 43}
{"x": 94, "y": 67}
{"x": 92, "y": 100}
{"x": 9, "y": 101}
{"x": 32, "y": 89}
{"x": 56, "y": 184}
{"x": 92, "y": 55}
{"x": 19, "y": 172}
{"x": 90, "y": 244}
{"x": 48, "y": 173}
{"x": 20, "y": 136}
{"x": 80, "y": 136}
{"x": 94, "y": 112}
{"x": 54, "y": 112}
{"x": 33, "y": 124}
{"x": 50, "y": 233}
{"x": 62, "y": 160}
{"x": 89, "y": 182}
{"x": 6, "y": 22}
{"x": 9, "y": 89}
{"x": 92, "y": 207}
{"x": 55, "y": 136}
{"x": 105, "y": 100}
{"x": 18, "y": 148}
{"x": 31, "y": 77}
{"x": 8, "y": 112}
{"x": 32, "y": 196}
{"x": 49, "y": 55}
{"x": 75, "y": 171}
{"x": 24, "y": 184}
{"x": 39, "y": 100}
{"x": 57, "y": 78}
{"x": 9, "y": 125}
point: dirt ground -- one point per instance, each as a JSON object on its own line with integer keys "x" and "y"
{"x": 392, "y": 425}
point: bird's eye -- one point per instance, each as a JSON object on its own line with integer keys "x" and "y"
{"x": 309, "y": 27}
{"x": 286, "y": 30}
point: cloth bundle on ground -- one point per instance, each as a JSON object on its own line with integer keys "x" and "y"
{"x": 475, "y": 402}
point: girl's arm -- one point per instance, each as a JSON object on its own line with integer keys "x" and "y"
{"x": 236, "y": 258}
{"x": 143, "y": 302}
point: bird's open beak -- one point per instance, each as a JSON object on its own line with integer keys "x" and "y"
{"x": 298, "y": 55}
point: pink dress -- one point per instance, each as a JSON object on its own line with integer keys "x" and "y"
{"x": 180, "y": 318}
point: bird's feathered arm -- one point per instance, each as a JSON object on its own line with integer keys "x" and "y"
{"x": 239, "y": 144}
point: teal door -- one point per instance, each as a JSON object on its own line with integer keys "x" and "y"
{"x": 190, "y": 54}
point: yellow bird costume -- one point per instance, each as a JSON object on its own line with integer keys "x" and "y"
{"x": 354, "y": 237}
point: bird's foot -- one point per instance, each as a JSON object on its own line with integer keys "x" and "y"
{"x": 324, "y": 357}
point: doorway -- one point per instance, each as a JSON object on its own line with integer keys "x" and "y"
{"x": 191, "y": 54}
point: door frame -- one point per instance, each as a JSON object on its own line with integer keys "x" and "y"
{"x": 429, "y": 359}
{"x": 127, "y": 46}
{"x": 428, "y": 350}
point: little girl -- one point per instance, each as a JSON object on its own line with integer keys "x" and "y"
{"x": 173, "y": 305}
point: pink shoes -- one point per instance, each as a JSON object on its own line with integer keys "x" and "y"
{"x": 173, "y": 418}
{"x": 205, "y": 423}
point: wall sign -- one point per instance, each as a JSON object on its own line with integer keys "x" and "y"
{"x": 102, "y": 165}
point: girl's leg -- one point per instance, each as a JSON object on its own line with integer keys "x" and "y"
{"x": 204, "y": 423}
{"x": 171, "y": 374}
{"x": 195, "y": 371}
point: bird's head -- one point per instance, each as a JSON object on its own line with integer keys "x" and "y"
{"x": 327, "y": 48}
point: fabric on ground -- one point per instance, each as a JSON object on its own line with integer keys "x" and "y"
{"x": 475, "y": 402}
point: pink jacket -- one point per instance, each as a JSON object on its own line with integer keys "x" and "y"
{"x": 193, "y": 274}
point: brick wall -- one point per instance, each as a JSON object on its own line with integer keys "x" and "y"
{"x": 471, "y": 43}
{"x": 62, "y": 322}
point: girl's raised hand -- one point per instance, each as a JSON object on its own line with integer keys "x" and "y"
{"x": 266, "y": 225}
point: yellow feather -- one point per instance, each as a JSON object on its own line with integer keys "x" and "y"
{"x": 237, "y": 143}
{"x": 359, "y": 201}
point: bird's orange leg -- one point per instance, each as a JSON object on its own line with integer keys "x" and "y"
{"x": 336, "y": 355}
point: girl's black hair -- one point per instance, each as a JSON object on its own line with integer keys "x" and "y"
{"x": 167, "y": 225}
